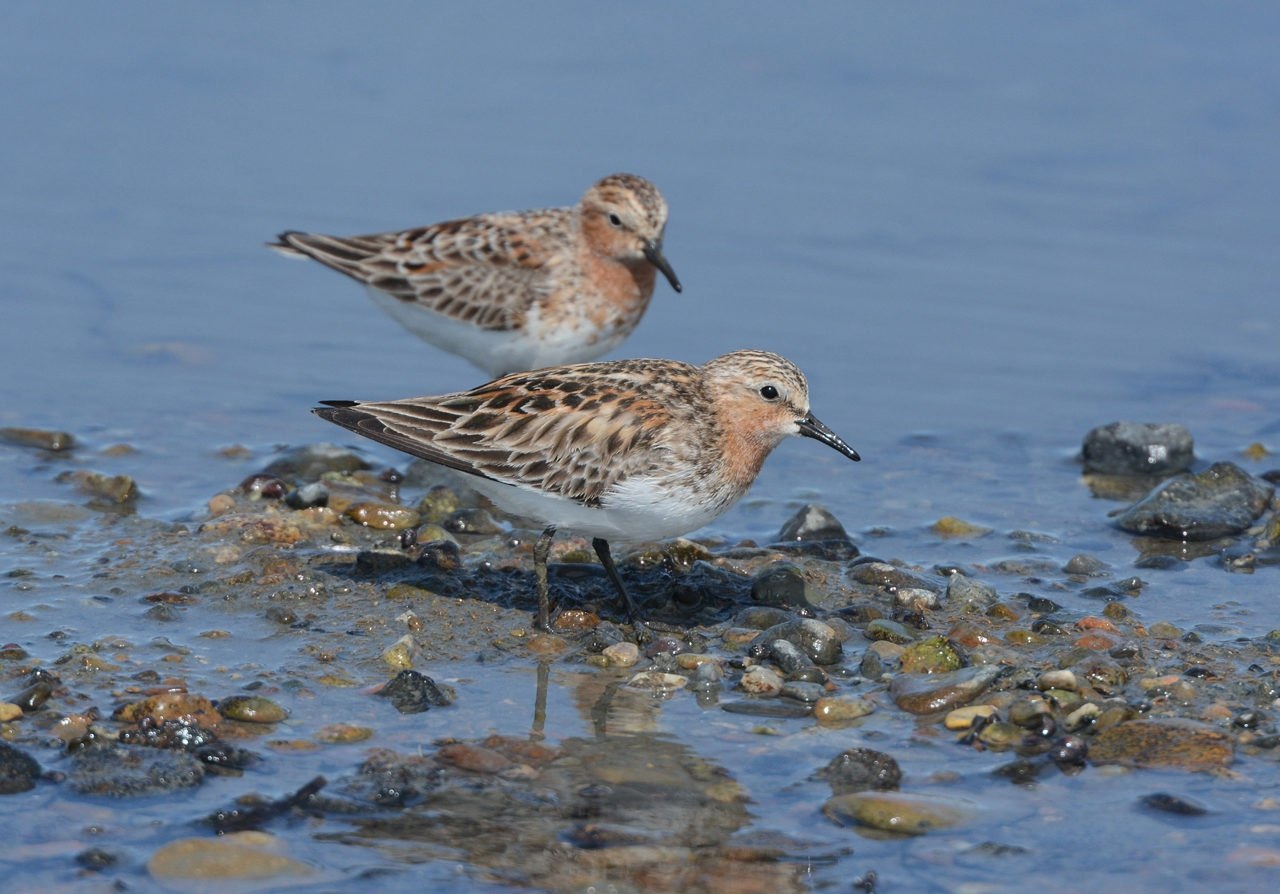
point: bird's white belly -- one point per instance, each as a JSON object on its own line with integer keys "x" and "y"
{"x": 636, "y": 511}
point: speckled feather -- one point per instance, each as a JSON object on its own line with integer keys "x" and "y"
{"x": 548, "y": 286}
{"x": 671, "y": 443}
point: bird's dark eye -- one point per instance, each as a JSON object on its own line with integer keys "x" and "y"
{"x": 615, "y": 220}
{"x": 768, "y": 392}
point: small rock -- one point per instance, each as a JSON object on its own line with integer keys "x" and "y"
{"x": 237, "y": 855}
{"x": 788, "y": 657}
{"x": 412, "y": 693}
{"x": 927, "y": 693}
{"x": 382, "y": 516}
{"x": 802, "y": 691}
{"x": 951, "y": 527}
{"x": 623, "y": 654}
{"x": 308, "y": 496}
{"x": 882, "y": 629}
{"x": 930, "y": 656}
{"x": 182, "y": 706}
{"x": 889, "y": 577}
{"x": 834, "y": 709}
{"x": 860, "y": 770}
{"x": 812, "y": 522}
{"x": 817, "y": 640}
{"x": 1220, "y": 501}
{"x": 113, "y": 488}
{"x": 1085, "y": 566}
{"x": 916, "y": 599}
{"x": 119, "y": 772}
{"x": 43, "y": 439}
{"x": 761, "y": 680}
{"x": 968, "y": 594}
{"x": 1057, "y": 679}
{"x": 1175, "y": 744}
{"x": 964, "y": 718}
{"x": 1132, "y": 448}
{"x": 782, "y": 584}
{"x": 1164, "y": 802}
{"x": 658, "y": 682}
{"x": 897, "y": 812}
{"x": 19, "y": 772}
{"x": 251, "y": 709}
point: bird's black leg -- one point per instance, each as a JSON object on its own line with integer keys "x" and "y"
{"x": 540, "y": 549}
{"x": 602, "y": 550}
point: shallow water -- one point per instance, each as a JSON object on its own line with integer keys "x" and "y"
{"x": 981, "y": 234}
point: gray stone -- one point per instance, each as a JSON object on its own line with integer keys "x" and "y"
{"x": 1218, "y": 502}
{"x": 1133, "y": 448}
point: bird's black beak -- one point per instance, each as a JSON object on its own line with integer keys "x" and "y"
{"x": 810, "y": 427}
{"x": 653, "y": 254}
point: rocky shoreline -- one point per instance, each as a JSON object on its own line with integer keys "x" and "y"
{"x": 369, "y": 574}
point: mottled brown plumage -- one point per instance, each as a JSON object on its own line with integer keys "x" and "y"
{"x": 515, "y": 290}
{"x": 631, "y": 449}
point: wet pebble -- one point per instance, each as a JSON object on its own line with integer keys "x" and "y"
{"x": 658, "y": 682}
{"x": 623, "y": 654}
{"x": 1057, "y": 679}
{"x": 307, "y": 496}
{"x": 236, "y": 855}
{"x": 1000, "y": 734}
{"x": 119, "y": 489}
{"x": 803, "y": 692}
{"x": 382, "y": 516}
{"x": 889, "y": 577}
{"x": 926, "y": 693}
{"x": 951, "y": 527}
{"x": 263, "y": 487}
{"x": 835, "y": 709}
{"x": 817, "y": 640}
{"x": 399, "y": 655}
{"x": 967, "y": 594}
{"x": 930, "y": 656}
{"x": 916, "y": 599}
{"x": 1081, "y": 717}
{"x": 1085, "y": 566}
{"x": 181, "y": 706}
{"x": 1133, "y": 448}
{"x": 812, "y": 522}
{"x": 251, "y": 709}
{"x": 906, "y": 814}
{"x": 96, "y": 859}
{"x": 1220, "y": 501}
{"x": 761, "y": 680}
{"x": 33, "y": 696}
{"x": 782, "y": 584}
{"x": 888, "y": 631}
{"x": 441, "y": 553}
{"x": 1164, "y": 802}
{"x": 1157, "y": 742}
{"x": 966, "y": 717}
{"x": 861, "y": 769}
{"x": 43, "y": 439}
{"x": 411, "y": 692}
{"x": 777, "y": 708}
{"x": 788, "y": 657}
{"x": 120, "y": 772}
{"x": 19, "y": 772}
